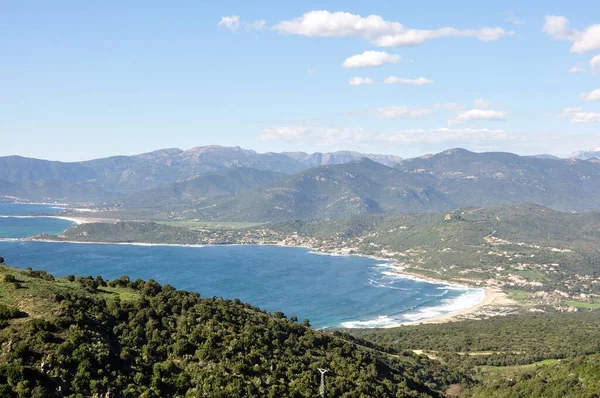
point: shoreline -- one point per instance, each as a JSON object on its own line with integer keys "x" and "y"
{"x": 490, "y": 296}
{"x": 75, "y": 220}
{"x": 86, "y": 220}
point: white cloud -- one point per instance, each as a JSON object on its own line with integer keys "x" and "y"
{"x": 370, "y": 58}
{"x": 413, "y": 37}
{"x": 375, "y": 29}
{"x": 231, "y": 22}
{"x": 324, "y": 136}
{"x": 359, "y": 81}
{"x": 576, "y": 69}
{"x": 510, "y": 17}
{"x": 578, "y": 115}
{"x": 478, "y": 114}
{"x": 588, "y": 40}
{"x": 402, "y": 80}
{"x": 592, "y": 95}
{"x": 394, "y": 112}
{"x": 557, "y": 27}
{"x": 481, "y": 103}
{"x": 435, "y": 139}
{"x": 595, "y": 64}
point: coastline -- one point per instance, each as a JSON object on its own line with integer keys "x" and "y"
{"x": 75, "y": 220}
{"x": 86, "y": 220}
{"x": 491, "y": 297}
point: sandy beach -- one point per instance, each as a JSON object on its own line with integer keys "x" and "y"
{"x": 493, "y": 297}
{"x": 86, "y": 220}
{"x": 76, "y": 220}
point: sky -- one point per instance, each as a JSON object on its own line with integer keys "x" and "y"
{"x": 82, "y": 80}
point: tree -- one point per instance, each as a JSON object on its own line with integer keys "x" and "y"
{"x": 1, "y": 260}
{"x": 306, "y": 323}
{"x": 279, "y": 315}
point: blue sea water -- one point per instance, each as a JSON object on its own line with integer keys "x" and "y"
{"x": 24, "y": 220}
{"x": 18, "y": 227}
{"x": 331, "y": 291}
{"x": 20, "y": 209}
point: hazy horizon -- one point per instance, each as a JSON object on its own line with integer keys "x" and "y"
{"x": 309, "y": 153}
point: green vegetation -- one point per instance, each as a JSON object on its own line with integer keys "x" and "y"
{"x": 87, "y": 336}
{"x": 90, "y": 337}
{"x": 575, "y": 378}
{"x": 527, "y": 355}
{"x": 499, "y": 341}
{"x": 195, "y": 224}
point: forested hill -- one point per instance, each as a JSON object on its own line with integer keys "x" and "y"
{"x": 83, "y": 337}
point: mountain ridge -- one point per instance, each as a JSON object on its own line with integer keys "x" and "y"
{"x": 118, "y": 176}
{"x": 586, "y": 154}
{"x": 444, "y": 181}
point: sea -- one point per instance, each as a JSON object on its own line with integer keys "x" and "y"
{"x": 331, "y": 291}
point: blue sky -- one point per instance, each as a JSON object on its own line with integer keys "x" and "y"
{"x": 89, "y": 79}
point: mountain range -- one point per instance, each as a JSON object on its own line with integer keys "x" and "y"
{"x": 234, "y": 184}
{"x": 448, "y": 180}
{"x": 114, "y": 178}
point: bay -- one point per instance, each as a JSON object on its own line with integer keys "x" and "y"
{"x": 331, "y": 291}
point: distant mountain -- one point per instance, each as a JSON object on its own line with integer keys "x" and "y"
{"x": 116, "y": 177}
{"x": 589, "y": 154}
{"x": 475, "y": 179}
{"x": 211, "y": 185}
{"x": 340, "y": 157}
{"x": 447, "y": 180}
{"x": 546, "y": 156}
{"x": 19, "y": 169}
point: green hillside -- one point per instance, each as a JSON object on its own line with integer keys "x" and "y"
{"x": 79, "y": 337}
